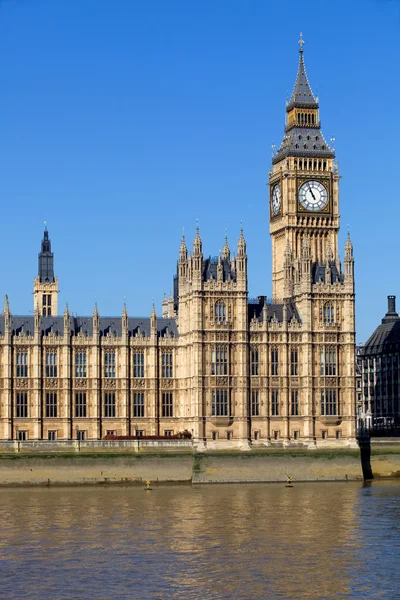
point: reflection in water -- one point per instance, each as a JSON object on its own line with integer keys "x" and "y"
{"x": 324, "y": 540}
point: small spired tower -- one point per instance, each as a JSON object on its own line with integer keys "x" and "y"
{"x": 45, "y": 285}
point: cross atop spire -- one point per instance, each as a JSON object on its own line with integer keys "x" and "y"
{"x": 301, "y": 42}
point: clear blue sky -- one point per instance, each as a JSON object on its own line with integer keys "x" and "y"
{"x": 123, "y": 121}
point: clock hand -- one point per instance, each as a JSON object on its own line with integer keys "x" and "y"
{"x": 310, "y": 188}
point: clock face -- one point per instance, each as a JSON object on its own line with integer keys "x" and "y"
{"x": 313, "y": 195}
{"x": 276, "y": 199}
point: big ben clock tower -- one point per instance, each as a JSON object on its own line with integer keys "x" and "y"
{"x": 303, "y": 186}
{"x": 307, "y": 274}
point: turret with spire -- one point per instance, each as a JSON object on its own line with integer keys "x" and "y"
{"x": 67, "y": 320}
{"x": 96, "y": 321}
{"x": 7, "y": 315}
{"x": 226, "y": 253}
{"x": 197, "y": 258}
{"x": 153, "y": 322}
{"x": 45, "y": 287}
{"x": 348, "y": 260}
{"x": 124, "y": 320}
{"x": 303, "y": 136}
{"x": 241, "y": 259}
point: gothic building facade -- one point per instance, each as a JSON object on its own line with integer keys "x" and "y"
{"x": 228, "y": 369}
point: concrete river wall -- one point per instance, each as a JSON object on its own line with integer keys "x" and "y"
{"x": 41, "y": 463}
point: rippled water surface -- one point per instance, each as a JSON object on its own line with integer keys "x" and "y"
{"x": 333, "y": 540}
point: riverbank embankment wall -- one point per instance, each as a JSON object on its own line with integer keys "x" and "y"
{"x": 178, "y": 462}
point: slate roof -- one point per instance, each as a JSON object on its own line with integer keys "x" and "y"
{"x": 303, "y": 141}
{"x": 386, "y": 337}
{"x": 302, "y": 95}
{"x": 112, "y": 325}
{"x": 255, "y": 308}
{"x": 210, "y": 269}
{"x": 319, "y": 274}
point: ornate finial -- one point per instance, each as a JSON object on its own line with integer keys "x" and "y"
{"x": 226, "y": 253}
{"x": 273, "y": 148}
{"x": 45, "y": 225}
{"x": 66, "y": 311}
{"x": 333, "y": 142}
{"x": 6, "y": 306}
{"x": 301, "y": 42}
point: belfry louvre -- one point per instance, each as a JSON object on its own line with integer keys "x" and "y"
{"x": 226, "y": 368}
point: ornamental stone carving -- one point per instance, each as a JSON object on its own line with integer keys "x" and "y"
{"x": 138, "y": 383}
{"x": 167, "y": 383}
{"x": 51, "y": 383}
{"x": 80, "y": 383}
{"x": 109, "y": 384}
{"x": 222, "y": 381}
{"x": 21, "y": 384}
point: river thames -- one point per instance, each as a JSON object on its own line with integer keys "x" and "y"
{"x": 315, "y": 540}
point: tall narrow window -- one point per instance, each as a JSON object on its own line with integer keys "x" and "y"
{"x": 21, "y": 405}
{"x": 109, "y": 364}
{"x": 22, "y": 364}
{"x": 254, "y": 361}
{"x": 328, "y": 360}
{"x": 51, "y": 404}
{"x": 219, "y": 403}
{"x": 138, "y": 404}
{"x": 51, "y": 364}
{"x": 219, "y": 361}
{"x": 80, "y": 364}
{"x": 274, "y": 361}
{"x": 138, "y": 364}
{"x": 109, "y": 404}
{"x": 329, "y": 403}
{"x": 167, "y": 404}
{"x": 255, "y": 406}
{"x": 275, "y": 403}
{"x": 295, "y": 403}
{"x": 80, "y": 404}
{"x": 166, "y": 365}
{"x": 294, "y": 362}
{"x": 220, "y": 312}
{"x": 329, "y": 313}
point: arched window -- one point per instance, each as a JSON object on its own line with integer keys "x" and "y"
{"x": 220, "y": 312}
{"x": 329, "y": 313}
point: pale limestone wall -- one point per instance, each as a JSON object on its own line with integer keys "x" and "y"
{"x": 90, "y": 470}
{"x": 276, "y": 467}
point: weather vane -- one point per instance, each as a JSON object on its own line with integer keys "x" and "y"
{"x": 301, "y": 42}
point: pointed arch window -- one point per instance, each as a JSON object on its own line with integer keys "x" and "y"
{"x": 220, "y": 312}
{"x": 329, "y": 313}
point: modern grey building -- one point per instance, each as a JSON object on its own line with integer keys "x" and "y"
{"x": 379, "y": 363}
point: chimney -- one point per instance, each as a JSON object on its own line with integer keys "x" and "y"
{"x": 391, "y": 314}
{"x": 391, "y": 304}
